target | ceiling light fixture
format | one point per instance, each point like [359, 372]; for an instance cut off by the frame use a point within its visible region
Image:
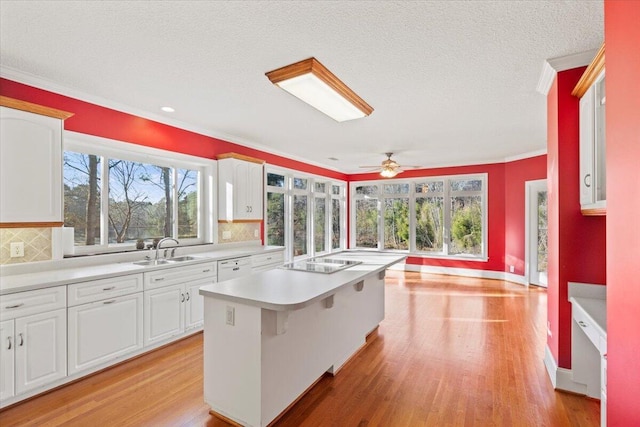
[167, 109]
[313, 83]
[389, 172]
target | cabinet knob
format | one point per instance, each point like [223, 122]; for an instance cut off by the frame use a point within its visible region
[187, 296]
[587, 180]
[182, 298]
[9, 339]
[21, 340]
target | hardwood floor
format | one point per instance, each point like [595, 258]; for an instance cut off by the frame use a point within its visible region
[451, 352]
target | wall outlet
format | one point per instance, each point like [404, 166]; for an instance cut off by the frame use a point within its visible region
[17, 249]
[226, 235]
[256, 233]
[230, 316]
[512, 268]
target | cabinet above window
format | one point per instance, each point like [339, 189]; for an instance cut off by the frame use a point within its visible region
[240, 188]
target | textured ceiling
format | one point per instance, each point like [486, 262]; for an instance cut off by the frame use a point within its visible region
[451, 82]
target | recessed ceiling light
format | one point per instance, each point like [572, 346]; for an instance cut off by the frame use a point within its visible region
[313, 83]
[167, 109]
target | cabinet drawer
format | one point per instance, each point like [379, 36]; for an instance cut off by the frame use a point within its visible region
[584, 322]
[178, 275]
[32, 302]
[96, 290]
[271, 258]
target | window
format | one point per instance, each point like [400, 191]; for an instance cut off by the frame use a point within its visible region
[112, 198]
[305, 213]
[439, 216]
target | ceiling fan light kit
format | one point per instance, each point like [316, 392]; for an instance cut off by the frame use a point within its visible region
[389, 172]
[313, 83]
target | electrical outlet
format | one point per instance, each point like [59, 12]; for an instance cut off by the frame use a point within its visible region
[231, 316]
[256, 233]
[226, 235]
[17, 249]
[512, 269]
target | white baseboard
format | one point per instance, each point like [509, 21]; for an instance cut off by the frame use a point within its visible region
[561, 378]
[465, 272]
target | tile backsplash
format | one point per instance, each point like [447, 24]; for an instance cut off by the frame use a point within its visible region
[37, 244]
[229, 232]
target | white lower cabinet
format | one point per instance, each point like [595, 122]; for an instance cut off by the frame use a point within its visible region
[40, 349]
[194, 304]
[7, 360]
[104, 330]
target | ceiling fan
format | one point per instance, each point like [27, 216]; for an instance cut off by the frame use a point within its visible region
[389, 167]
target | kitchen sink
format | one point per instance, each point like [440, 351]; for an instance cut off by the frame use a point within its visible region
[152, 262]
[182, 258]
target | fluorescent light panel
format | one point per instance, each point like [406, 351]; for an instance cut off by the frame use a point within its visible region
[314, 84]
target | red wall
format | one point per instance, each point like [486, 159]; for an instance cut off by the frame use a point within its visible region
[576, 242]
[496, 213]
[516, 174]
[96, 120]
[622, 38]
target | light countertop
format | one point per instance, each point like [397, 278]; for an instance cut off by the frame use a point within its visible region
[596, 309]
[280, 289]
[69, 273]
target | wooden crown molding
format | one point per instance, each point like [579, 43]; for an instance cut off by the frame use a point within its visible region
[313, 66]
[239, 157]
[16, 104]
[590, 74]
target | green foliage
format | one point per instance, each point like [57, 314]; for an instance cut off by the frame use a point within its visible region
[466, 227]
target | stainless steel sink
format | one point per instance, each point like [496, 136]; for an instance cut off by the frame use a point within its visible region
[182, 258]
[152, 262]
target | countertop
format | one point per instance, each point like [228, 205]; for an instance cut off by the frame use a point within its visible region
[50, 277]
[596, 309]
[280, 289]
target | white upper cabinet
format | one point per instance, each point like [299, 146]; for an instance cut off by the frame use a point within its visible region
[30, 163]
[593, 177]
[240, 188]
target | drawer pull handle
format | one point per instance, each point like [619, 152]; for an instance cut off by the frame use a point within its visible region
[21, 340]
[109, 302]
[15, 306]
[269, 259]
[236, 268]
[187, 296]
[581, 323]
[9, 339]
[206, 271]
[182, 299]
[110, 288]
[587, 177]
[158, 279]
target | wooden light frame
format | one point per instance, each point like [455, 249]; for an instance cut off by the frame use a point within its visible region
[313, 66]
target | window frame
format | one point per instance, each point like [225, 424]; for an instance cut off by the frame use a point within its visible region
[107, 149]
[412, 195]
[289, 192]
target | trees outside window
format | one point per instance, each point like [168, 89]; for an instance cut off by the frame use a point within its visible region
[143, 201]
[443, 216]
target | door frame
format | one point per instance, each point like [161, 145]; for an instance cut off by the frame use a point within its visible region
[529, 187]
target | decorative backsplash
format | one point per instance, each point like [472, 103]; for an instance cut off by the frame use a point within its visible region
[37, 244]
[229, 232]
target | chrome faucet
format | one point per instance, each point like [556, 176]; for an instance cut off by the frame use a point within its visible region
[162, 241]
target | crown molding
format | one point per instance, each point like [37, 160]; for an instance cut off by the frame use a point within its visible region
[523, 156]
[552, 66]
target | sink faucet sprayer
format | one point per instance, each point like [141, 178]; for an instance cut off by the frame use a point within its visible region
[160, 243]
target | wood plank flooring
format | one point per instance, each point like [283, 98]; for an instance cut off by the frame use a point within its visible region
[451, 352]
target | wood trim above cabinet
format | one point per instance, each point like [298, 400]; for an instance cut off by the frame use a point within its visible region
[30, 224]
[34, 108]
[590, 74]
[239, 157]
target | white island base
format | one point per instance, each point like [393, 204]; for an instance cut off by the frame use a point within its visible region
[257, 367]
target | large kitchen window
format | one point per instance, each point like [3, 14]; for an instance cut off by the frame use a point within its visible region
[435, 216]
[117, 199]
[304, 213]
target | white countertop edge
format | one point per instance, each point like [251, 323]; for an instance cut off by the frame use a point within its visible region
[12, 283]
[211, 291]
[596, 311]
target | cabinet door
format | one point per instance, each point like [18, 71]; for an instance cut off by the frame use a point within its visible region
[31, 155]
[7, 362]
[104, 330]
[587, 179]
[255, 193]
[194, 314]
[41, 349]
[163, 313]
[241, 191]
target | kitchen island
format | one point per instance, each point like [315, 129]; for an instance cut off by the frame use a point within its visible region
[269, 337]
